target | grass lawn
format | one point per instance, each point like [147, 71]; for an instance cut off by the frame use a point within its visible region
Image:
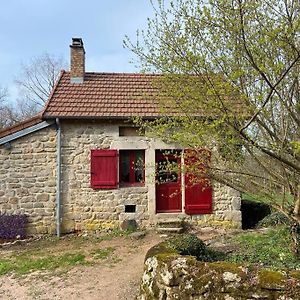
[272, 249]
[51, 253]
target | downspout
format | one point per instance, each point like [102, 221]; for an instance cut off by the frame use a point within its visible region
[58, 179]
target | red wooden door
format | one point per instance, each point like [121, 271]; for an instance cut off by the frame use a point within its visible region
[198, 190]
[168, 182]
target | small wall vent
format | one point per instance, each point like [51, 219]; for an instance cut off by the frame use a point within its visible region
[130, 208]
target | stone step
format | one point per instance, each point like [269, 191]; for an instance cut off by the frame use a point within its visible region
[170, 224]
[169, 230]
[168, 220]
[163, 216]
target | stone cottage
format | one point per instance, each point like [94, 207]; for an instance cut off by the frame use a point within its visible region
[81, 165]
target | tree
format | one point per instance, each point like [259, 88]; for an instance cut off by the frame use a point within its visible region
[3, 95]
[36, 81]
[232, 74]
[7, 117]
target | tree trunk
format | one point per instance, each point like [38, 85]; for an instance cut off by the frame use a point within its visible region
[295, 233]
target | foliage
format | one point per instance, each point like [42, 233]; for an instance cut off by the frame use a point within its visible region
[189, 244]
[274, 219]
[12, 226]
[230, 82]
[272, 249]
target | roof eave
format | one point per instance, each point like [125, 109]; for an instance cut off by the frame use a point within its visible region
[25, 131]
[53, 117]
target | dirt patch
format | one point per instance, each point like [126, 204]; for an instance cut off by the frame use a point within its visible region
[116, 277]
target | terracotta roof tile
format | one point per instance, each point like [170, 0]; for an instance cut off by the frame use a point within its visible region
[107, 95]
[103, 95]
[21, 125]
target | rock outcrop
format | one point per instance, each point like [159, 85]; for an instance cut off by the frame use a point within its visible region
[169, 276]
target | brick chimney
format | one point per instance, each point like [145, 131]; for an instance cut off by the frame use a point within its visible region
[77, 61]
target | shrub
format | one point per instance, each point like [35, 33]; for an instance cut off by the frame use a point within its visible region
[189, 244]
[12, 226]
[274, 219]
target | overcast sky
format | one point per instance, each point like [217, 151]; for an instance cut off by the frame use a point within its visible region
[29, 28]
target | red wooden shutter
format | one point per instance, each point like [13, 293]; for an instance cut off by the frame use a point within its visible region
[104, 169]
[198, 190]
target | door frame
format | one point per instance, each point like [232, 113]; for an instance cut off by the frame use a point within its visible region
[180, 178]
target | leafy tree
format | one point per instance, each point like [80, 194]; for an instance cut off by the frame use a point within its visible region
[231, 81]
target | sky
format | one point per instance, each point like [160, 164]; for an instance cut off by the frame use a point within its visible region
[30, 28]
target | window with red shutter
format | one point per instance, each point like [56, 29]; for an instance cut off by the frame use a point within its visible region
[131, 167]
[198, 190]
[104, 169]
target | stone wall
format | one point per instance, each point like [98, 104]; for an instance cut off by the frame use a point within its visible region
[85, 208]
[27, 179]
[171, 276]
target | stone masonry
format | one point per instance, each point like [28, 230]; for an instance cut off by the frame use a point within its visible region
[85, 208]
[28, 181]
[172, 276]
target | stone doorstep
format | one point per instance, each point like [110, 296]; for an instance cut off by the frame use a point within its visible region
[169, 219]
[169, 230]
[169, 224]
[169, 216]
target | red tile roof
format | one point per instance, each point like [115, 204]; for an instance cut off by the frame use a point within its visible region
[103, 95]
[21, 125]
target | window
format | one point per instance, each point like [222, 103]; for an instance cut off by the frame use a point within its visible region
[104, 168]
[168, 166]
[167, 170]
[131, 170]
[130, 131]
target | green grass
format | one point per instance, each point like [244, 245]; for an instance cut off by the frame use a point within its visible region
[102, 253]
[23, 264]
[51, 253]
[271, 249]
[269, 199]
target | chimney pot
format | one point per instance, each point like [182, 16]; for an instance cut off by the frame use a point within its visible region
[77, 61]
[77, 42]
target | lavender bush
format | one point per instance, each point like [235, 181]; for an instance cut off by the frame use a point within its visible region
[12, 226]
